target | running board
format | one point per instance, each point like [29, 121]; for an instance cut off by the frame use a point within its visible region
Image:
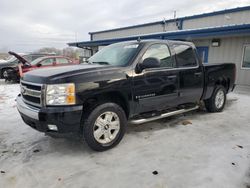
[140, 121]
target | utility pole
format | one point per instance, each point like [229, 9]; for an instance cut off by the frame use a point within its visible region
[175, 14]
[164, 24]
[75, 36]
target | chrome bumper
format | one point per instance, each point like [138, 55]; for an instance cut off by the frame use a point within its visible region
[26, 109]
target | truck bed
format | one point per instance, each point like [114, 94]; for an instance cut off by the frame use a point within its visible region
[218, 72]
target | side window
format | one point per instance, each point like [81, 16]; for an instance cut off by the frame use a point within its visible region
[246, 57]
[47, 62]
[62, 61]
[33, 57]
[185, 56]
[161, 52]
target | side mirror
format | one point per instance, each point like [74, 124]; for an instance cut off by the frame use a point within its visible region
[39, 65]
[150, 62]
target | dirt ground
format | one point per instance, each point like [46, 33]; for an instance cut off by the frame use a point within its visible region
[195, 150]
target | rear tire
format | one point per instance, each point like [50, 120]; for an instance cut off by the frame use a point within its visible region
[217, 101]
[104, 127]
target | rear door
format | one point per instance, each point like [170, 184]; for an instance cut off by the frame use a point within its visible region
[190, 74]
[156, 88]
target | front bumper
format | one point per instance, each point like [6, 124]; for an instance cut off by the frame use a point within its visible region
[67, 119]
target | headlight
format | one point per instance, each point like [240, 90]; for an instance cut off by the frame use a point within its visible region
[60, 94]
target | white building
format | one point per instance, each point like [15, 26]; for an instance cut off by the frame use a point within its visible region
[222, 36]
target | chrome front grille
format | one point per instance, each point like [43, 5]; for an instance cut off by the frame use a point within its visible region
[32, 93]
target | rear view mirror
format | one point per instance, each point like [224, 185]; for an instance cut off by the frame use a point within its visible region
[150, 62]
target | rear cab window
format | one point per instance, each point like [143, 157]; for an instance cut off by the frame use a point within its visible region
[185, 56]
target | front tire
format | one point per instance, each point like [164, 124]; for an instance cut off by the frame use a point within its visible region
[217, 101]
[5, 72]
[104, 127]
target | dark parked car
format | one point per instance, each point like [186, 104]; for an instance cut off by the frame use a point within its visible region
[132, 81]
[12, 62]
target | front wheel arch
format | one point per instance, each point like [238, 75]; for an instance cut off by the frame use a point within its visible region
[4, 69]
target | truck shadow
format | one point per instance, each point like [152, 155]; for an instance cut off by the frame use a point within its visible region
[230, 102]
[173, 121]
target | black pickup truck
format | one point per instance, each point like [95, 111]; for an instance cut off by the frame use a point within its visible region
[133, 82]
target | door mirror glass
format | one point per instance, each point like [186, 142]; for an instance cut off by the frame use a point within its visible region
[150, 62]
[39, 65]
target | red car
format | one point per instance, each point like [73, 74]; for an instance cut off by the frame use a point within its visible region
[42, 62]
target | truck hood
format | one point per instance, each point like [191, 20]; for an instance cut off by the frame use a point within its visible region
[20, 58]
[73, 73]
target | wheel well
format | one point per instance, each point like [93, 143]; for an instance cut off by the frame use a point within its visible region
[225, 82]
[2, 70]
[113, 96]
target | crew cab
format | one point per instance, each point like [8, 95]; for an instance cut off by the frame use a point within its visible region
[129, 82]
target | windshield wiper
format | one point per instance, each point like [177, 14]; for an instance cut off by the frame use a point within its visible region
[100, 62]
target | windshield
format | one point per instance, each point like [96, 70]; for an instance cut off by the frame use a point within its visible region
[115, 54]
[36, 61]
[13, 59]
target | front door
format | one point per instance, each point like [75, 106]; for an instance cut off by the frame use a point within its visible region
[156, 88]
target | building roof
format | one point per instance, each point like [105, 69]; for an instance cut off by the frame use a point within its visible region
[230, 30]
[226, 11]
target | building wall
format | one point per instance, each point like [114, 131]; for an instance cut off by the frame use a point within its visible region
[241, 17]
[230, 50]
[135, 31]
[218, 20]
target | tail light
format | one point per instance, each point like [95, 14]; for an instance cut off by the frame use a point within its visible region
[20, 70]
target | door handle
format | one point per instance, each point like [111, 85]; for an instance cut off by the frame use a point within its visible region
[172, 77]
[197, 74]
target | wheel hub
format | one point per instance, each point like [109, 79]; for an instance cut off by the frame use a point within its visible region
[5, 74]
[219, 99]
[106, 127]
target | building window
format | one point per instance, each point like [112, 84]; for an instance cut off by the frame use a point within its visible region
[246, 57]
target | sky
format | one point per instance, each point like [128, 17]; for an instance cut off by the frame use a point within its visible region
[28, 25]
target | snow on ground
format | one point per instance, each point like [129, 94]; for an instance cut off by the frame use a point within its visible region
[213, 151]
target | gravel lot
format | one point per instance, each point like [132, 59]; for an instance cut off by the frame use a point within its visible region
[197, 149]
